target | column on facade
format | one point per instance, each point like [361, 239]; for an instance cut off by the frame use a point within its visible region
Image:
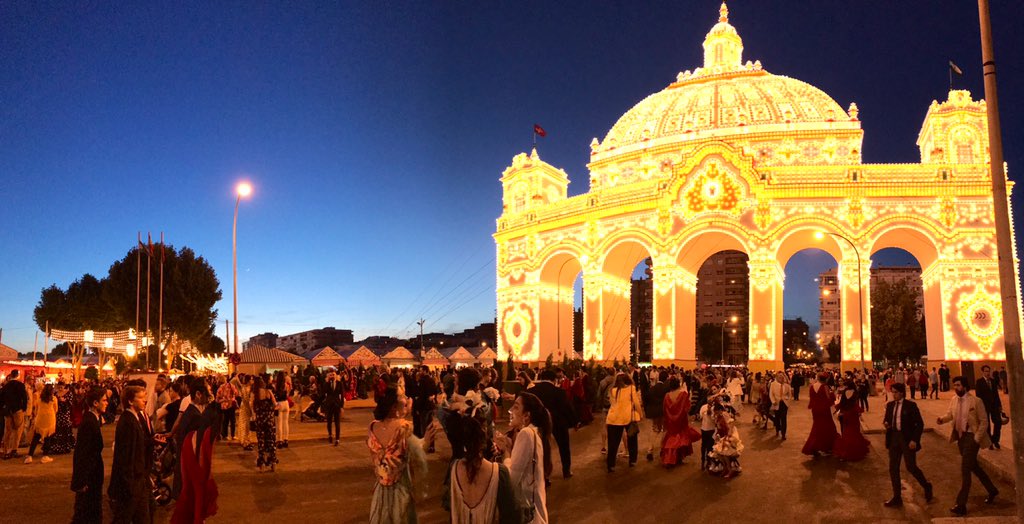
[854, 291]
[765, 323]
[555, 319]
[675, 302]
[606, 316]
[934, 313]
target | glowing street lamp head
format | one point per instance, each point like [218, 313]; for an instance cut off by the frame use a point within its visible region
[734, 319]
[826, 292]
[244, 189]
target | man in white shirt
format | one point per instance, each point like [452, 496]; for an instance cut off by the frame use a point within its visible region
[970, 432]
[707, 427]
[778, 392]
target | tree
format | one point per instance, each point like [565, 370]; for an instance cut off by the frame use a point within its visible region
[191, 289]
[897, 330]
[79, 308]
[709, 342]
[834, 351]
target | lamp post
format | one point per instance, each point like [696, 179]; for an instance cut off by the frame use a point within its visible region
[244, 189]
[860, 290]
[732, 319]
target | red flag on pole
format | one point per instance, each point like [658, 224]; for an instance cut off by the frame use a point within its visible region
[539, 131]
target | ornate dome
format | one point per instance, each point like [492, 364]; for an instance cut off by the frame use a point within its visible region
[724, 98]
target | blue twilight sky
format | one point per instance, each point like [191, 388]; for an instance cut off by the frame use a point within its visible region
[375, 132]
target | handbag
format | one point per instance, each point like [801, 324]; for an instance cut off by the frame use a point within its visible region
[1004, 418]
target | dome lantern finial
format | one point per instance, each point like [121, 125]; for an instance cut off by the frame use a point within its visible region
[723, 13]
[723, 47]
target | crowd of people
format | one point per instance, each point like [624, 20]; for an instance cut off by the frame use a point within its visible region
[166, 430]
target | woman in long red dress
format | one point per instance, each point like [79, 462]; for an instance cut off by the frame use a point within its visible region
[823, 430]
[677, 443]
[851, 446]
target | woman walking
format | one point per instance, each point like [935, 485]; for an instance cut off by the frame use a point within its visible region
[62, 440]
[398, 460]
[679, 436]
[823, 434]
[527, 457]
[45, 422]
[265, 409]
[245, 413]
[282, 390]
[851, 446]
[623, 417]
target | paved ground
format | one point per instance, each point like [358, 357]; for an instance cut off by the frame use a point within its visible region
[319, 483]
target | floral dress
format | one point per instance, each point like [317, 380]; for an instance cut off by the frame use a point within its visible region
[266, 431]
[393, 498]
[62, 441]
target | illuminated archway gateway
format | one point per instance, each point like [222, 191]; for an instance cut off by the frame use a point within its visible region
[730, 156]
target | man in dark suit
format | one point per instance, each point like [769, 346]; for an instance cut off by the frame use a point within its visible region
[563, 416]
[87, 469]
[987, 389]
[903, 428]
[333, 400]
[796, 383]
[129, 489]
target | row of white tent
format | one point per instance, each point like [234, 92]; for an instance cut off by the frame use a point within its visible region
[256, 359]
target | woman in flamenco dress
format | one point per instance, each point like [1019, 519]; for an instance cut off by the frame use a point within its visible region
[851, 446]
[677, 444]
[823, 435]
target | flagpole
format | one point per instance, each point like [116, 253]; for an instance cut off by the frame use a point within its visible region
[1004, 247]
[160, 315]
[138, 280]
[149, 265]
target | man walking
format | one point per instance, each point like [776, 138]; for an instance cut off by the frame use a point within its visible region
[332, 403]
[987, 390]
[797, 382]
[943, 377]
[563, 416]
[970, 432]
[129, 490]
[903, 428]
[14, 399]
[933, 383]
[87, 471]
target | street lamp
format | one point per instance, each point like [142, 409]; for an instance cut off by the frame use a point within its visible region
[860, 290]
[243, 189]
[732, 319]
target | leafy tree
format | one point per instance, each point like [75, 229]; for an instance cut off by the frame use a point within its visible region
[79, 308]
[191, 289]
[550, 361]
[91, 373]
[709, 342]
[834, 351]
[896, 331]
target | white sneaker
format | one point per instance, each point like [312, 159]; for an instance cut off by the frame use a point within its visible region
[28, 460]
[46, 460]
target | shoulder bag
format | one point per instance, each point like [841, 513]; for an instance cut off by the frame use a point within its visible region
[633, 429]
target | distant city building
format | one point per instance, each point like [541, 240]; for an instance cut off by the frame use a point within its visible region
[314, 338]
[641, 315]
[795, 337]
[723, 292]
[267, 340]
[830, 306]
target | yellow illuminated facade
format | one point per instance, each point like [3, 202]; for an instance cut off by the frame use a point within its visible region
[732, 157]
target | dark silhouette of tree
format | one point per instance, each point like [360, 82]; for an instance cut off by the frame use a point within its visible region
[709, 342]
[897, 332]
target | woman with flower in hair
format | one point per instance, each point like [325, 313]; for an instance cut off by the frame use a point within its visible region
[398, 459]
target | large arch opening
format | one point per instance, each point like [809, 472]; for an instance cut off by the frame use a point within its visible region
[811, 320]
[898, 322]
[558, 278]
[626, 296]
[723, 312]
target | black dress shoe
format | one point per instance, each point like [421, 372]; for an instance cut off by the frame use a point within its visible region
[928, 492]
[991, 498]
[958, 510]
[894, 502]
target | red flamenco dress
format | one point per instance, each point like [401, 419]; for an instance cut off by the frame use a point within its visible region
[823, 430]
[677, 443]
[198, 499]
[851, 446]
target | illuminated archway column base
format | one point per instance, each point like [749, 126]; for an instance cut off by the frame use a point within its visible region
[850, 318]
[766, 282]
[675, 305]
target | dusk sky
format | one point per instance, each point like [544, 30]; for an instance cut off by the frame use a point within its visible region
[375, 133]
